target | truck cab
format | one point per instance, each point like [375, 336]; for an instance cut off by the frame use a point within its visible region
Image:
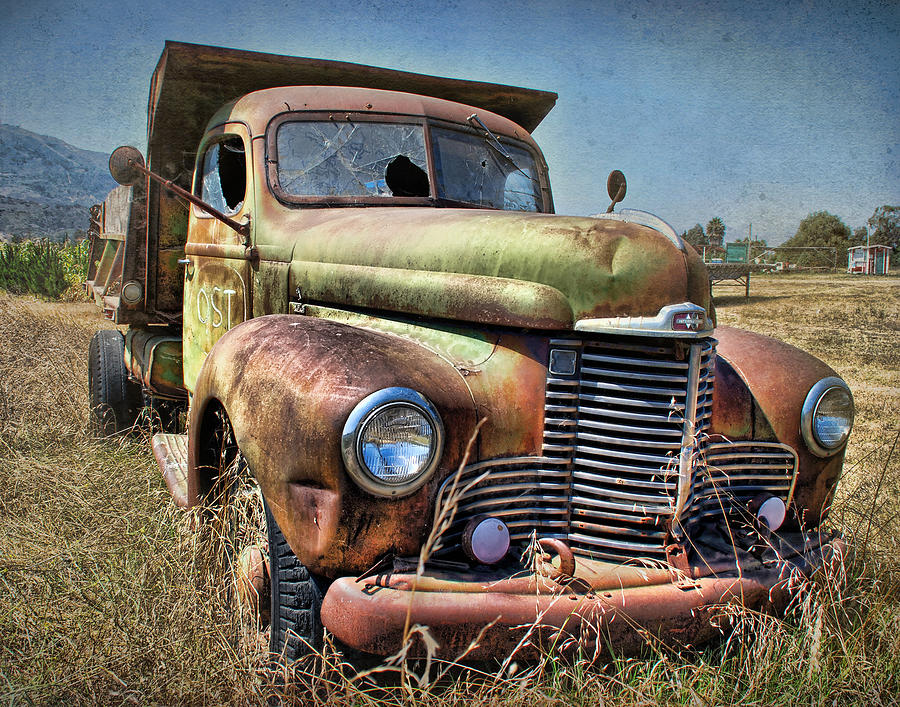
[442, 403]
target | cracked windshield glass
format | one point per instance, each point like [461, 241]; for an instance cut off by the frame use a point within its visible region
[469, 168]
[326, 158]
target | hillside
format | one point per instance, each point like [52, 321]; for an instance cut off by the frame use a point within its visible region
[47, 185]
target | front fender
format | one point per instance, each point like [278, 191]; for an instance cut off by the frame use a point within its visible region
[288, 384]
[761, 384]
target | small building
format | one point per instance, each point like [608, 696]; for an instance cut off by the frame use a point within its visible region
[869, 260]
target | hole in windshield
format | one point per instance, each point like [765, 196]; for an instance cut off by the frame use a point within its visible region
[404, 178]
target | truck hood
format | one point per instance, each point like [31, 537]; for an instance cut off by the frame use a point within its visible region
[540, 271]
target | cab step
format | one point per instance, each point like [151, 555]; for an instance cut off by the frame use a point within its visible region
[170, 451]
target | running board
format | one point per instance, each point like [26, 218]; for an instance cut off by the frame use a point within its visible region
[170, 451]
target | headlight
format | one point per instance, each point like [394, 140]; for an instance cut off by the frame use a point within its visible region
[827, 416]
[392, 441]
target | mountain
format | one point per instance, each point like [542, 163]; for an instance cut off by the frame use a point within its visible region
[47, 185]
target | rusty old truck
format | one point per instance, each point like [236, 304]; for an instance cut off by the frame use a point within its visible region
[346, 293]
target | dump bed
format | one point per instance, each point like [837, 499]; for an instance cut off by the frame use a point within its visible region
[190, 83]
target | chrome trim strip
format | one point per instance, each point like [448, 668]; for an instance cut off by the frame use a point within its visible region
[617, 544]
[659, 325]
[686, 460]
[644, 218]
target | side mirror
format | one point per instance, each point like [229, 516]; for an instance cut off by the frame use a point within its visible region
[615, 187]
[125, 165]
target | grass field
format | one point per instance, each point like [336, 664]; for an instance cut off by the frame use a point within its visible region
[99, 603]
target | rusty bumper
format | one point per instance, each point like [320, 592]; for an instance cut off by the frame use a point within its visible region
[532, 616]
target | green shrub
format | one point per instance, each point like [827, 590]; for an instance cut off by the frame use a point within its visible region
[43, 268]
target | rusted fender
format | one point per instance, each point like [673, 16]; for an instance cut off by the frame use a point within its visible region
[761, 389]
[288, 384]
[505, 371]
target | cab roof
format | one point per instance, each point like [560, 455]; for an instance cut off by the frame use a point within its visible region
[192, 81]
[258, 108]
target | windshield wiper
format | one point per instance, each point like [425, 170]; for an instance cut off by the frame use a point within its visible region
[492, 140]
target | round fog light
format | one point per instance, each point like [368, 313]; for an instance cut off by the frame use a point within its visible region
[771, 513]
[486, 540]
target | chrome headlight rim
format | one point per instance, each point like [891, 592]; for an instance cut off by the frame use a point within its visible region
[807, 416]
[364, 411]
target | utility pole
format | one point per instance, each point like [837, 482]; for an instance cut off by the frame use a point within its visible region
[867, 251]
[749, 241]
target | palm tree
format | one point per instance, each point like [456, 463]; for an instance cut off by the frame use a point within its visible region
[715, 231]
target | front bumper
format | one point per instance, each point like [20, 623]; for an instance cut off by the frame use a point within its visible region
[604, 609]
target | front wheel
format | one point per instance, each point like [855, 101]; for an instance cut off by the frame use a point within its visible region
[271, 596]
[296, 600]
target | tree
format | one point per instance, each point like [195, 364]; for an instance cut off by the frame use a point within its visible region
[819, 230]
[695, 235]
[715, 231]
[885, 225]
[755, 242]
[859, 235]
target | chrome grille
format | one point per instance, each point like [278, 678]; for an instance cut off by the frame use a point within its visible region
[639, 405]
[625, 452]
[529, 493]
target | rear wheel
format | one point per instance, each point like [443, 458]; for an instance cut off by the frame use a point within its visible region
[115, 401]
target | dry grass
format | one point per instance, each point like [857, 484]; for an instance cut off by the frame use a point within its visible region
[103, 601]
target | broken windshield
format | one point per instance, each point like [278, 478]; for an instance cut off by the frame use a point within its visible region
[468, 168]
[327, 158]
[344, 159]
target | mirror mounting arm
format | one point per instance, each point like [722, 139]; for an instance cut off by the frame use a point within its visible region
[241, 228]
[615, 187]
[126, 163]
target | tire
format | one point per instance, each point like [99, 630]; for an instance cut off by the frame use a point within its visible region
[115, 401]
[296, 601]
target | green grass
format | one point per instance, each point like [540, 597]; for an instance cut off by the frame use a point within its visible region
[103, 601]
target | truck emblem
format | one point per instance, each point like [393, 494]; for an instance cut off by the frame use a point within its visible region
[688, 321]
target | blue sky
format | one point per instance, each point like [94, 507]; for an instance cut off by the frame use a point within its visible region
[754, 112]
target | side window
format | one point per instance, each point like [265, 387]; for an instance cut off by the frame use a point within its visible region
[224, 181]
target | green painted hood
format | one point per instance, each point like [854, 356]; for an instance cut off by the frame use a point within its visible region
[539, 271]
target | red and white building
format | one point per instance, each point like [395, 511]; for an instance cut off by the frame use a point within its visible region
[869, 260]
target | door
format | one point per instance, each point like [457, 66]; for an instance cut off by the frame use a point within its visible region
[217, 282]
